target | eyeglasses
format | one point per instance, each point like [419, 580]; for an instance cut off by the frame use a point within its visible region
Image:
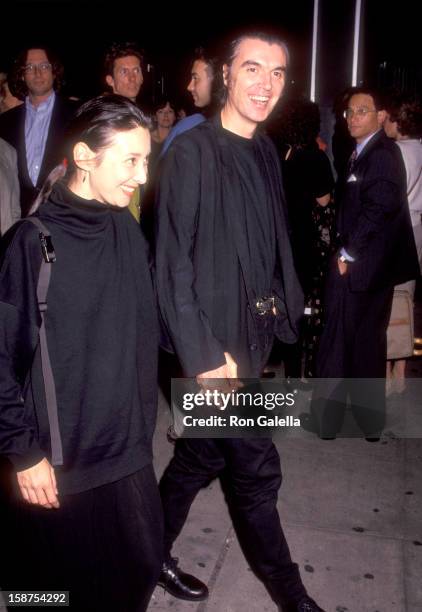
[43, 67]
[359, 112]
[125, 72]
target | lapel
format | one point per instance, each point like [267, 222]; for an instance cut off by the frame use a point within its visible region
[21, 149]
[368, 148]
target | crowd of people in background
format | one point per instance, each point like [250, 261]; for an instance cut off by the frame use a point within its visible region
[253, 236]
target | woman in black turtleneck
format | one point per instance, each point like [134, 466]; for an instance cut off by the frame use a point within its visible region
[91, 523]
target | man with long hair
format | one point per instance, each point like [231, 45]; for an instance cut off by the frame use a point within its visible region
[36, 128]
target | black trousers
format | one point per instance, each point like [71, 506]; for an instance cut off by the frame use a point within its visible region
[251, 470]
[353, 345]
[103, 545]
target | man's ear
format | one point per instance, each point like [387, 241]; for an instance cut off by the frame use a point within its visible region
[110, 81]
[382, 116]
[225, 74]
[83, 156]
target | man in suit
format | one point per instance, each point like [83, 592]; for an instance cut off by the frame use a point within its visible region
[36, 128]
[226, 284]
[376, 252]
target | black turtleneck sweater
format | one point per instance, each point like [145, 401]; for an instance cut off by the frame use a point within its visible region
[102, 339]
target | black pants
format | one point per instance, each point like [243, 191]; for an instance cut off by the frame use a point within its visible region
[251, 468]
[353, 346]
[103, 545]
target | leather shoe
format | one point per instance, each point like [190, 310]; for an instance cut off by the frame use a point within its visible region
[305, 605]
[181, 585]
[308, 605]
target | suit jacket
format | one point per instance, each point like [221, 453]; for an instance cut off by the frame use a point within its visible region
[198, 242]
[12, 129]
[374, 221]
[9, 187]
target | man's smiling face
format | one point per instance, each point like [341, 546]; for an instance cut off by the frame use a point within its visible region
[255, 82]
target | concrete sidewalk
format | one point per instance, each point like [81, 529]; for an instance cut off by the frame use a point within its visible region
[352, 515]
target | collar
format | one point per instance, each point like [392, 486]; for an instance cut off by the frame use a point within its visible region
[362, 145]
[47, 105]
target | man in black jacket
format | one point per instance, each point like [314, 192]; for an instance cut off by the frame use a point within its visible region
[377, 251]
[36, 128]
[226, 285]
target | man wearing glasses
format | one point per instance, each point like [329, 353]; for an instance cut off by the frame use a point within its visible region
[35, 129]
[376, 251]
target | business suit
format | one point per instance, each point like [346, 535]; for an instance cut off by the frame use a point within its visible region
[9, 187]
[374, 229]
[12, 129]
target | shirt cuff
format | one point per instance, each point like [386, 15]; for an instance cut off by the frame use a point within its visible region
[346, 255]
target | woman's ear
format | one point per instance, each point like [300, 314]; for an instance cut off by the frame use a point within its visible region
[83, 156]
[225, 74]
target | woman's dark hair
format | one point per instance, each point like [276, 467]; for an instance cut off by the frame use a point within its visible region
[162, 103]
[95, 123]
[17, 84]
[407, 111]
[297, 124]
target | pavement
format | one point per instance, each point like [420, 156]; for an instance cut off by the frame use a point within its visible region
[351, 511]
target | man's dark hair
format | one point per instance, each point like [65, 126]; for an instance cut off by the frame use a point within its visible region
[118, 50]
[204, 55]
[269, 37]
[18, 86]
[212, 60]
[376, 94]
[406, 110]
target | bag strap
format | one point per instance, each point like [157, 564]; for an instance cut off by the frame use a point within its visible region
[49, 257]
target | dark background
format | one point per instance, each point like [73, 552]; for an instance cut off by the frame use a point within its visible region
[80, 31]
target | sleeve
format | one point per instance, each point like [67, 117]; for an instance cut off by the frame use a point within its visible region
[178, 209]
[19, 324]
[380, 199]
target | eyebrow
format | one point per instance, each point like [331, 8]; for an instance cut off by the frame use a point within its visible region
[254, 63]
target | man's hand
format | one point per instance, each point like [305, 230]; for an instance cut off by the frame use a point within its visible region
[225, 372]
[342, 267]
[38, 485]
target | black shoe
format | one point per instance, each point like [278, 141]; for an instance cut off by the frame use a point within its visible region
[308, 605]
[181, 585]
[372, 439]
[305, 605]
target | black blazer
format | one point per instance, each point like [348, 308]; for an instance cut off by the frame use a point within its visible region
[198, 241]
[12, 129]
[374, 221]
